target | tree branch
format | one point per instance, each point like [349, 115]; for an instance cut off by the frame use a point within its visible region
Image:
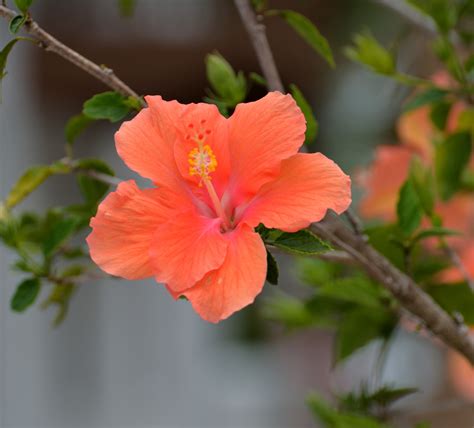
[51, 44]
[401, 286]
[332, 229]
[258, 36]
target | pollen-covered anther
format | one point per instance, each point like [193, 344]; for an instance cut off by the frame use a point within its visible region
[202, 161]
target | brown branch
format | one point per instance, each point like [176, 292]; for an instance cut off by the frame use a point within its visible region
[332, 229]
[258, 36]
[456, 260]
[51, 44]
[401, 286]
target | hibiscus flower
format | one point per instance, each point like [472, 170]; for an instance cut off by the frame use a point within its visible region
[216, 180]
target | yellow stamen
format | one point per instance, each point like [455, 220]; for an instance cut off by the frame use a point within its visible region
[203, 162]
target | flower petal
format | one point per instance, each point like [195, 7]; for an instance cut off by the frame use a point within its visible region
[205, 121]
[307, 186]
[186, 248]
[123, 228]
[416, 131]
[237, 282]
[383, 180]
[261, 135]
[146, 142]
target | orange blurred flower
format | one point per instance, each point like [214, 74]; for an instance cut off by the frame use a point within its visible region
[217, 179]
[389, 170]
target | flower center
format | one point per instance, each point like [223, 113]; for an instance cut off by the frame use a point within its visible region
[202, 162]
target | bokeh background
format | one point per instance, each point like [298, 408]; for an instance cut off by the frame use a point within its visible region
[129, 356]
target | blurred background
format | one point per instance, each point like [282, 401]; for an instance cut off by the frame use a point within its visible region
[128, 355]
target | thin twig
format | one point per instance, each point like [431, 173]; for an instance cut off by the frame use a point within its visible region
[355, 223]
[51, 44]
[258, 36]
[456, 260]
[105, 178]
[412, 15]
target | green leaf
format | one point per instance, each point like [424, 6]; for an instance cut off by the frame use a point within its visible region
[127, 7]
[308, 31]
[434, 232]
[107, 105]
[73, 271]
[446, 52]
[272, 269]
[4, 56]
[439, 114]
[361, 326]
[315, 272]
[365, 402]
[259, 5]
[303, 242]
[31, 179]
[60, 296]
[229, 86]
[311, 123]
[92, 189]
[430, 96]
[25, 294]
[369, 52]
[58, 234]
[387, 395]
[75, 125]
[466, 120]
[332, 418]
[289, 311]
[258, 79]
[455, 298]
[23, 5]
[451, 158]
[382, 239]
[423, 182]
[356, 290]
[16, 23]
[409, 208]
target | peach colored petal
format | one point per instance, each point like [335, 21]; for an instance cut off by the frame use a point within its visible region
[383, 180]
[307, 186]
[261, 135]
[443, 79]
[146, 142]
[203, 120]
[237, 282]
[458, 214]
[186, 248]
[416, 131]
[123, 228]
